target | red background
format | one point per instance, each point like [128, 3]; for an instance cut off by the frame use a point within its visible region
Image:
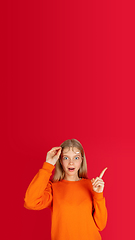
[67, 72]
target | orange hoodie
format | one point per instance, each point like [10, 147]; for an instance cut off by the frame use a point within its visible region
[77, 212]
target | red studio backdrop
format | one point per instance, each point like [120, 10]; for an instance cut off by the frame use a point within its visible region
[67, 71]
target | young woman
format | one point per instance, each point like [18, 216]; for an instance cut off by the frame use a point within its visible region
[77, 204]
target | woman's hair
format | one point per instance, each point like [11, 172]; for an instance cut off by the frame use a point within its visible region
[59, 172]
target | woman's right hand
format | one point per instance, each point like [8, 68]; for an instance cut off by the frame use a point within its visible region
[53, 155]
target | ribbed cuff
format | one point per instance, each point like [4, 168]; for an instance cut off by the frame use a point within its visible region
[48, 166]
[97, 195]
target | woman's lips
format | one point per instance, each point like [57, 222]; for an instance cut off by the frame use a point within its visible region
[71, 169]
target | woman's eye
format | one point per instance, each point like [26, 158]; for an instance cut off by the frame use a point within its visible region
[65, 158]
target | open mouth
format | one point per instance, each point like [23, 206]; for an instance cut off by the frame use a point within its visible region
[71, 169]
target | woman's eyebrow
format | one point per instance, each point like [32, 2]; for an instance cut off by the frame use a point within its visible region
[68, 156]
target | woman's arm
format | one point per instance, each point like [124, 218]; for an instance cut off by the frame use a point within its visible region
[99, 210]
[39, 192]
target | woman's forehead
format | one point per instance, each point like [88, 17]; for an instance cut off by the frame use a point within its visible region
[74, 149]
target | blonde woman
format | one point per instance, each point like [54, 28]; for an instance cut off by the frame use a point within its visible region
[77, 204]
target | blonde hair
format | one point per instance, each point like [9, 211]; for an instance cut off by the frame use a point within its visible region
[59, 172]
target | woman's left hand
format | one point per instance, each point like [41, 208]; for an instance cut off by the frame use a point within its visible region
[98, 183]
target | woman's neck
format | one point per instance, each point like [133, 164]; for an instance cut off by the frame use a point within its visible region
[71, 178]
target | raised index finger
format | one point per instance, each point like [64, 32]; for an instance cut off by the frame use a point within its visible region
[102, 173]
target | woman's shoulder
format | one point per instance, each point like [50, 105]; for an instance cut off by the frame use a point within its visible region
[88, 180]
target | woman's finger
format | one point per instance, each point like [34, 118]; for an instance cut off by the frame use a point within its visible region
[59, 152]
[99, 184]
[97, 179]
[54, 149]
[102, 173]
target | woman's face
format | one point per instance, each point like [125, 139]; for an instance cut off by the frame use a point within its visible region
[71, 159]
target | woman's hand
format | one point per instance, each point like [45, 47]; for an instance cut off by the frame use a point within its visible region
[98, 183]
[53, 155]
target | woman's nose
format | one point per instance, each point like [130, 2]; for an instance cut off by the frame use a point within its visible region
[71, 160]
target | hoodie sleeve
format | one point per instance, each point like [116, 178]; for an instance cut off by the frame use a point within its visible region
[99, 210]
[39, 192]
